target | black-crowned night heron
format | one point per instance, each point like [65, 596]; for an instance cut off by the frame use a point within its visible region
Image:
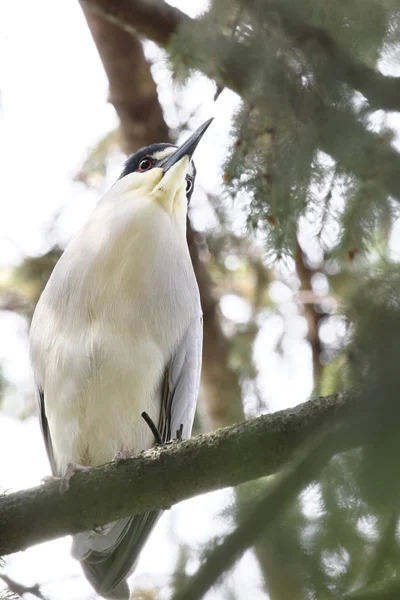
[117, 332]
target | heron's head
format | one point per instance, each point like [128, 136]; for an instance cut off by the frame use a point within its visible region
[165, 173]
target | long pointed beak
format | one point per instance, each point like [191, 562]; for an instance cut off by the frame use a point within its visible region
[186, 149]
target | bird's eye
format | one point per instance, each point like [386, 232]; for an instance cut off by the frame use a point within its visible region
[145, 164]
[189, 184]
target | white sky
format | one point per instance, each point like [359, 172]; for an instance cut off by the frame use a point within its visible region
[53, 109]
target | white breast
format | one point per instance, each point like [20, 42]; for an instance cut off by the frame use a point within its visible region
[114, 309]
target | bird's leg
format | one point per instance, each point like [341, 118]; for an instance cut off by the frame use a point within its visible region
[122, 455]
[72, 468]
[153, 427]
[64, 481]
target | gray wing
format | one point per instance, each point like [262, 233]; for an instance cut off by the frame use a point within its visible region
[181, 384]
[108, 558]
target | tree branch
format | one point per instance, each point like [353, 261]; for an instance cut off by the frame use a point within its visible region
[159, 478]
[158, 21]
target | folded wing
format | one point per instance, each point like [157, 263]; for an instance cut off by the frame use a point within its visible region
[109, 556]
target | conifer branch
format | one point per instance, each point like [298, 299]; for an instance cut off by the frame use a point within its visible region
[158, 21]
[381, 91]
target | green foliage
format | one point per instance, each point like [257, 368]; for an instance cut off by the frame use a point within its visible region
[293, 64]
[374, 311]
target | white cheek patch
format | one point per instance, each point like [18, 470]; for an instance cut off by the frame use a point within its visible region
[190, 170]
[167, 152]
[164, 153]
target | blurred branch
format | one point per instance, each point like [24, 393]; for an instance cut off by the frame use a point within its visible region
[20, 590]
[382, 550]
[389, 590]
[132, 90]
[134, 96]
[312, 316]
[163, 476]
[158, 21]
[264, 514]
[14, 302]
[153, 19]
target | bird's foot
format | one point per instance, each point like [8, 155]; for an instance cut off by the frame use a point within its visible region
[179, 434]
[71, 469]
[123, 455]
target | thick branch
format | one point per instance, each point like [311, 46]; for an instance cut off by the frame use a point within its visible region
[153, 19]
[147, 18]
[133, 94]
[159, 478]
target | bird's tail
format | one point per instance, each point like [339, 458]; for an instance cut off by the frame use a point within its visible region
[109, 556]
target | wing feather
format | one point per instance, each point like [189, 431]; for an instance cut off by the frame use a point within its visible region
[44, 426]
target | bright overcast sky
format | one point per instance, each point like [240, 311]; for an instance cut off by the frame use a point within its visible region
[53, 109]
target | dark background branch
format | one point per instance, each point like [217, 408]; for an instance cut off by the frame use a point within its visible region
[133, 94]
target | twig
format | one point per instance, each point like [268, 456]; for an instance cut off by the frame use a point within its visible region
[20, 590]
[327, 203]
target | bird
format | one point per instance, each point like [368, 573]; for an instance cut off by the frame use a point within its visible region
[117, 332]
